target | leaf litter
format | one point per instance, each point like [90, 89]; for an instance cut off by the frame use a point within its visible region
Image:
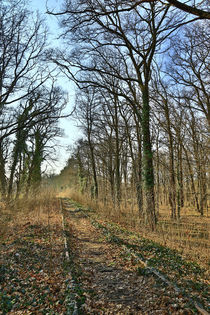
[36, 279]
[112, 282]
[32, 277]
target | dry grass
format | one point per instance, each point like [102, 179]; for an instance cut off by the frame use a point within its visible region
[35, 275]
[189, 235]
[38, 209]
[5, 217]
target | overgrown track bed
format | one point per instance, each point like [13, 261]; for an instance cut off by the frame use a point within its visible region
[34, 274]
[189, 234]
[173, 286]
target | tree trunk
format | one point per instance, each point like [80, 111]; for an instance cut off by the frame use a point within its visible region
[12, 173]
[111, 173]
[3, 182]
[181, 178]
[203, 189]
[172, 186]
[138, 166]
[157, 174]
[136, 161]
[148, 172]
[117, 155]
[93, 165]
[37, 161]
[178, 181]
[192, 179]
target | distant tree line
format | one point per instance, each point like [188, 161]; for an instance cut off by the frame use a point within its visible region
[30, 100]
[143, 100]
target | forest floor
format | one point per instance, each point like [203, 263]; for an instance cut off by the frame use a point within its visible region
[101, 274]
[32, 276]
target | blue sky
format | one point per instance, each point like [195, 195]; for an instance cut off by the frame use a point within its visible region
[72, 133]
[41, 6]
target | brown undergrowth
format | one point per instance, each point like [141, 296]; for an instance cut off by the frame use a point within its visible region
[189, 235]
[32, 273]
[111, 281]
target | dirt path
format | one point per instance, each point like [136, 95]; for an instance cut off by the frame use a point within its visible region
[110, 279]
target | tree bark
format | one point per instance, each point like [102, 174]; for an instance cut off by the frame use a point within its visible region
[93, 165]
[172, 187]
[189, 9]
[192, 180]
[117, 153]
[3, 182]
[148, 172]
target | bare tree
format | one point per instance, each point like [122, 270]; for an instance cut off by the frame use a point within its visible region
[125, 45]
[119, 41]
[86, 113]
[36, 127]
[23, 39]
[189, 67]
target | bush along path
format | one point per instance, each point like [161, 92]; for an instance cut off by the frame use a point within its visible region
[120, 273]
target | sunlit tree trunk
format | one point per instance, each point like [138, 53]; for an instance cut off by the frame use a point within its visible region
[191, 173]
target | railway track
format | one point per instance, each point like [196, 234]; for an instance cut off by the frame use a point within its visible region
[66, 207]
[71, 301]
